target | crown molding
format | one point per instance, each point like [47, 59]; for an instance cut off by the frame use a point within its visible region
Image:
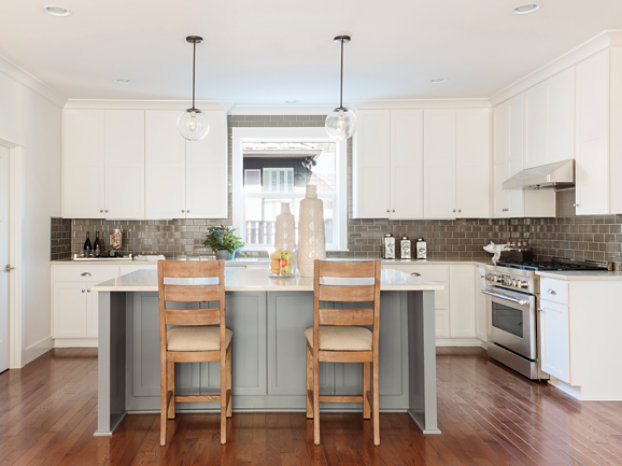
[29, 80]
[601, 41]
[397, 104]
[135, 104]
[291, 109]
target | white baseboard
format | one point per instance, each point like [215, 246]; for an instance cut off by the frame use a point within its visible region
[571, 390]
[32, 352]
[458, 342]
[75, 343]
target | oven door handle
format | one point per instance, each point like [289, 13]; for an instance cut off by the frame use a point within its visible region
[522, 302]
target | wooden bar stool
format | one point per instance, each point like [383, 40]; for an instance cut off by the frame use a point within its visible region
[338, 335]
[185, 289]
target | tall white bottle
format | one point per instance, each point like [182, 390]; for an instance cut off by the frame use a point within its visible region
[311, 239]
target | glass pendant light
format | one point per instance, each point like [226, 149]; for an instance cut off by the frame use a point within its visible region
[341, 122]
[192, 123]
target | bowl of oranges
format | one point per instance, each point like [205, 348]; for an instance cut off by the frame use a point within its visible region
[282, 263]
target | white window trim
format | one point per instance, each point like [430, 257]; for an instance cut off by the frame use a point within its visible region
[286, 134]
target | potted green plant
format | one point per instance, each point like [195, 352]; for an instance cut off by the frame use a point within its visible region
[223, 241]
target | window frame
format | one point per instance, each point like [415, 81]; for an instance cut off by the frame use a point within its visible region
[240, 135]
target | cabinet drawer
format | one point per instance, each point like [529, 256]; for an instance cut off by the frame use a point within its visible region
[554, 290]
[91, 273]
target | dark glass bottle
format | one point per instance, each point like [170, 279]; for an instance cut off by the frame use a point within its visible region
[97, 246]
[88, 250]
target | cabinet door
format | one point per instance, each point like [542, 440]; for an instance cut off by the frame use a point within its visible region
[592, 163]
[206, 171]
[125, 164]
[554, 340]
[439, 157]
[370, 165]
[536, 125]
[92, 304]
[501, 145]
[561, 116]
[69, 310]
[165, 166]
[473, 163]
[83, 163]
[516, 130]
[462, 301]
[406, 164]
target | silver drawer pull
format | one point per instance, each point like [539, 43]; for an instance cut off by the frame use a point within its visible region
[86, 274]
[415, 274]
[551, 291]
[88, 291]
[521, 302]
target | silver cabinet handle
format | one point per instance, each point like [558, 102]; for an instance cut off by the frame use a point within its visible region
[88, 291]
[388, 210]
[393, 210]
[187, 211]
[83, 291]
[8, 268]
[182, 211]
[576, 204]
[505, 210]
[460, 210]
[415, 274]
[551, 291]
[101, 211]
[106, 211]
[454, 211]
[85, 274]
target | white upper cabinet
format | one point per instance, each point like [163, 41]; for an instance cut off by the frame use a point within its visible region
[185, 179]
[439, 164]
[592, 162]
[103, 164]
[165, 166]
[387, 164]
[473, 163]
[206, 171]
[456, 154]
[83, 164]
[550, 120]
[124, 164]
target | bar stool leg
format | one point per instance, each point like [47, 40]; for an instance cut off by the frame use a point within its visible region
[316, 400]
[309, 390]
[366, 388]
[163, 400]
[223, 397]
[171, 388]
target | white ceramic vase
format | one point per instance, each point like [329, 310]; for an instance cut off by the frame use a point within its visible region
[285, 229]
[311, 240]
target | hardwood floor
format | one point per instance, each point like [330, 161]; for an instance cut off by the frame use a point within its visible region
[488, 416]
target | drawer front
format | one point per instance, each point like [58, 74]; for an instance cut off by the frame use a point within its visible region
[554, 290]
[90, 273]
[432, 273]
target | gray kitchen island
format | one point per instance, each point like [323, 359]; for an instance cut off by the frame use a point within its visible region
[268, 317]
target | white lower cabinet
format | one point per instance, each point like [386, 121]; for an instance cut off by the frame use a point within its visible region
[554, 339]
[74, 305]
[455, 305]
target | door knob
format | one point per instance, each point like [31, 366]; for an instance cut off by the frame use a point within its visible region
[8, 268]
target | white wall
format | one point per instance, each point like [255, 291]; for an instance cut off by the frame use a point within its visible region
[32, 120]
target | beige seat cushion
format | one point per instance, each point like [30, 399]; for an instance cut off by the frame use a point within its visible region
[200, 338]
[341, 338]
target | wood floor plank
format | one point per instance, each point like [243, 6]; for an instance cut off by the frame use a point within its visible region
[488, 414]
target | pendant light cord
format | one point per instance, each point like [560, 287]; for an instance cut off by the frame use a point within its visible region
[194, 61]
[341, 79]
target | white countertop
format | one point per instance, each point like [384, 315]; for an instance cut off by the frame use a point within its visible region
[582, 276]
[240, 279]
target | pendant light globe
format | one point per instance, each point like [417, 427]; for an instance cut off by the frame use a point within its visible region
[341, 122]
[192, 123]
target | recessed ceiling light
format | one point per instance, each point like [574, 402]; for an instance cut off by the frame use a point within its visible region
[438, 81]
[122, 81]
[525, 8]
[56, 10]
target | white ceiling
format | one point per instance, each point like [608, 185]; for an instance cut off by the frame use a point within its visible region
[271, 51]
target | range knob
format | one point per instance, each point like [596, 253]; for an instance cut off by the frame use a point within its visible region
[524, 284]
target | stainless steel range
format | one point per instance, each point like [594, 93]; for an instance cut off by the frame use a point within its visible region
[513, 291]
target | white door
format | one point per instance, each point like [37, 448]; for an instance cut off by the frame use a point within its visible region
[4, 258]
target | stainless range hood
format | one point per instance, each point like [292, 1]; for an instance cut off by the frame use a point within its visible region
[552, 175]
